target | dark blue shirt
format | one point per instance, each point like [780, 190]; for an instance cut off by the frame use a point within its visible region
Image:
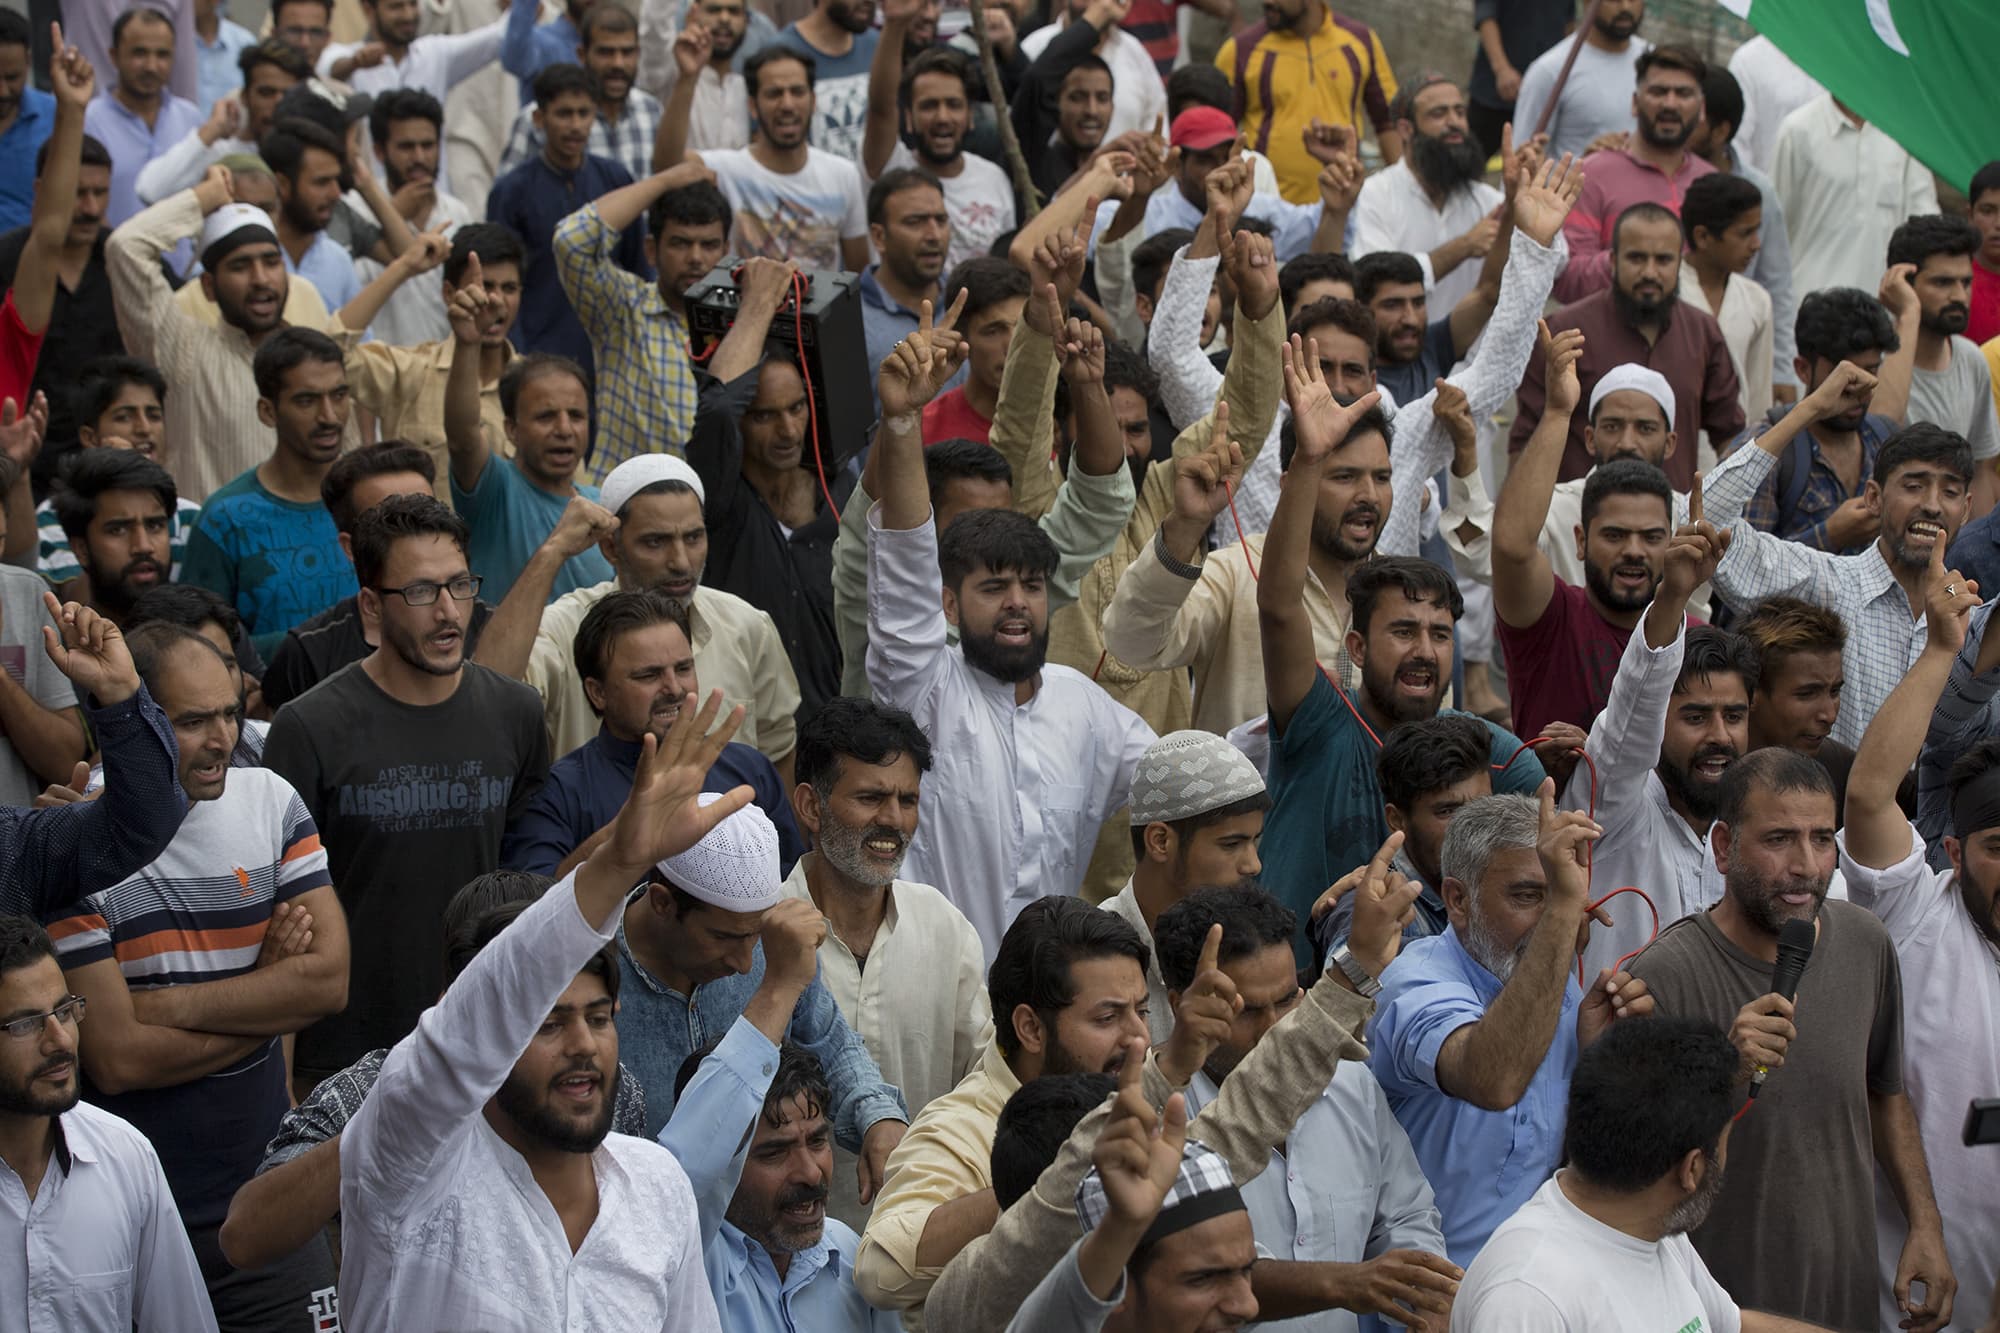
[18, 146]
[1975, 552]
[1411, 380]
[587, 787]
[532, 199]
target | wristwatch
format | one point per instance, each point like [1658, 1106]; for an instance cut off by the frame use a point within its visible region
[1364, 981]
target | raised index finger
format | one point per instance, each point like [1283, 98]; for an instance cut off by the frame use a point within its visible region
[1132, 1073]
[1211, 950]
[1694, 500]
[1378, 864]
[950, 321]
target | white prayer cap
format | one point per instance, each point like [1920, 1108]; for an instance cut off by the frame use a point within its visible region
[1189, 773]
[1632, 375]
[735, 867]
[636, 474]
[233, 225]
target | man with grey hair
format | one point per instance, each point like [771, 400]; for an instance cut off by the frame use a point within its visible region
[1198, 807]
[1477, 1030]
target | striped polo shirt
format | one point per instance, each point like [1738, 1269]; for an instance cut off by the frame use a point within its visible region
[1285, 81]
[198, 914]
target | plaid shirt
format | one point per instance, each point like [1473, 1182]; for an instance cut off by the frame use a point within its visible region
[645, 386]
[1824, 491]
[1884, 632]
[328, 1107]
[629, 143]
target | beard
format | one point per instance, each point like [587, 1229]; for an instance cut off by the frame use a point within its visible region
[1761, 898]
[1061, 1060]
[118, 594]
[1446, 165]
[1916, 557]
[1692, 1211]
[25, 1098]
[1700, 795]
[1674, 138]
[931, 157]
[1948, 320]
[1620, 26]
[410, 647]
[536, 1114]
[300, 216]
[1380, 687]
[1597, 581]
[1329, 537]
[767, 1223]
[1634, 310]
[840, 843]
[1486, 950]
[237, 313]
[1980, 904]
[1005, 663]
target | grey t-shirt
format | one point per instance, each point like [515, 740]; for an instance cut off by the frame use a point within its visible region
[1793, 1232]
[1959, 397]
[22, 616]
[1596, 100]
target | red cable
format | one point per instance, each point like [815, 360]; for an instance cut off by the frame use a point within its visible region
[805, 377]
[1230, 492]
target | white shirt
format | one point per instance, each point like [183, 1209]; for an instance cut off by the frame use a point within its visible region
[1347, 1188]
[445, 1225]
[801, 215]
[1553, 1268]
[1137, 95]
[182, 166]
[1596, 99]
[100, 1248]
[1395, 213]
[1845, 189]
[1748, 329]
[1012, 809]
[720, 114]
[1773, 87]
[1188, 379]
[916, 998]
[436, 64]
[1293, 226]
[1951, 1054]
[415, 314]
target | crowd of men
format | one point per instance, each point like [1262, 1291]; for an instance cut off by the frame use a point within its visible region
[1375, 713]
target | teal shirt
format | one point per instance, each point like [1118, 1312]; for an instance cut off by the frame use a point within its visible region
[1326, 803]
[510, 517]
[277, 561]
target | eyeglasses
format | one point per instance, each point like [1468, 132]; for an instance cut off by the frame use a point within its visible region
[462, 589]
[69, 1013]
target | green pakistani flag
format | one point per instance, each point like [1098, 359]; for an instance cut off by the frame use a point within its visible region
[1920, 69]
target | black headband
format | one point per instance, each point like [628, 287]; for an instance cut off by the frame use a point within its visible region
[1192, 1211]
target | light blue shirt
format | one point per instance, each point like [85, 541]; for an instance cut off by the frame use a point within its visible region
[510, 517]
[710, 1133]
[1346, 1189]
[885, 321]
[215, 62]
[1168, 209]
[1482, 1165]
[132, 144]
[330, 268]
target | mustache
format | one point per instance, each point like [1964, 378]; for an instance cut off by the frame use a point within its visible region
[795, 1196]
[1708, 752]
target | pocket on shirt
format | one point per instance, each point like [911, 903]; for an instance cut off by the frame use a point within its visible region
[1068, 799]
[99, 1300]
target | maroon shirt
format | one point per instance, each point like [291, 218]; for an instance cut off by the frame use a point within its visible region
[1560, 668]
[1690, 352]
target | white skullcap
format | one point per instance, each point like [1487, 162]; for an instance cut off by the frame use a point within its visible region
[230, 226]
[735, 867]
[1189, 773]
[636, 474]
[1632, 375]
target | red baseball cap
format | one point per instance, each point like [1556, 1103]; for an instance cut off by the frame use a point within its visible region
[1202, 127]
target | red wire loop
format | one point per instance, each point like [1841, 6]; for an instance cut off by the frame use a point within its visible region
[805, 377]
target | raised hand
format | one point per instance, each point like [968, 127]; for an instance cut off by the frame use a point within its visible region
[584, 523]
[1138, 1153]
[1696, 548]
[223, 119]
[1321, 422]
[1203, 481]
[70, 74]
[1897, 292]
[89, 650]
[1452, 408]
[1613, 996]
[1519, 164]
[1848, 389]
[1229, 188]
[1203, 1014]
[1330, 143]
[1564, 846]
[1058, 262]
[792, 932]
[21, 436]
[57, 794]
[1109, 176]
[370, 55]
[1154, 162]
[692, 46]
[1559, 747]
[1949, 600]
[1340, 183]
[471, 307]
[216, 188]
[1253, 269]
[662, 816]
[1384, 902]
[916, 369]
[1541, 205]
[427, 250]
[1082, 353]
[1560, 354]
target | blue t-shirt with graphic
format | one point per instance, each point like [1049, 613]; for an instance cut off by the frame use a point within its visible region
[277, 561]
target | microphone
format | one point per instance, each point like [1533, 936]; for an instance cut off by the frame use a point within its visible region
[1795, 946]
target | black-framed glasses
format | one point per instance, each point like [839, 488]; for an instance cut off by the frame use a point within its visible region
[69, 1013]
[462, 589]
